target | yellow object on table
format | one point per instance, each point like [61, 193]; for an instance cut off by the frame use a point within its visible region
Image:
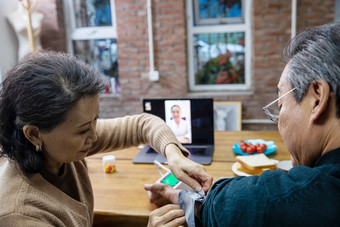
[109, 163]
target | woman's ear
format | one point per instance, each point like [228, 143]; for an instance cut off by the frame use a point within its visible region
[320, 91]
[32, 133]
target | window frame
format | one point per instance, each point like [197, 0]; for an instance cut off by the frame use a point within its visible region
[193, 29]
[208, 21]
[87, 33]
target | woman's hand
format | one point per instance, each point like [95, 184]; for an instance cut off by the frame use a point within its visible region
[169, 215]
[161, 194]
[187, 171]
[182, 139]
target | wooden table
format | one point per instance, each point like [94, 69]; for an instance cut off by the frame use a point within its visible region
[120, 199]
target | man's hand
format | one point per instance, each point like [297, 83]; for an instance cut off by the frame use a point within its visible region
[161, 194]
[169, 215]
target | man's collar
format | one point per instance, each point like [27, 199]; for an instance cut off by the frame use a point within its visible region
[332, 156]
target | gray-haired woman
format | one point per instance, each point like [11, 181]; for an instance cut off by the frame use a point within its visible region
[49, 123]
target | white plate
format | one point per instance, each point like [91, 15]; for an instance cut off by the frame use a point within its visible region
[235, 170]
[285, 165]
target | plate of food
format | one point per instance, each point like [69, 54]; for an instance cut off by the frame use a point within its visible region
[253, 165]
[254, 146]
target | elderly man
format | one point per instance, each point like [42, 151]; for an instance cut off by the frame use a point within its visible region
[308, 116]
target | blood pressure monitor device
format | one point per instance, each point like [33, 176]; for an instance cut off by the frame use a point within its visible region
[169, 179]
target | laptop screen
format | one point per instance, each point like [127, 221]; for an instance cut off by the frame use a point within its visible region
[191, 120]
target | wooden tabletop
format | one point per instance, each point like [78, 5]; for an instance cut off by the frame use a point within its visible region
[120, 199]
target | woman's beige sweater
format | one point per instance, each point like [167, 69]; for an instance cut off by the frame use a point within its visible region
[46, 200]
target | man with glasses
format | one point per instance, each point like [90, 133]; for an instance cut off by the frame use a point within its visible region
[308, 116]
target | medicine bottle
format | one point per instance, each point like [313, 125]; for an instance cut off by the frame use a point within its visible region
[109, 163]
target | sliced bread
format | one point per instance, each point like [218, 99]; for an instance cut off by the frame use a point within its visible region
[256, 163]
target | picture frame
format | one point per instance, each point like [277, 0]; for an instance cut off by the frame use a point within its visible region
[227, 116]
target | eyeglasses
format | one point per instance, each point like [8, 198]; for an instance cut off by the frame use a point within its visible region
[273, 111]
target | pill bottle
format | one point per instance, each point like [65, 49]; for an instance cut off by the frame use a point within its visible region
[109, 163]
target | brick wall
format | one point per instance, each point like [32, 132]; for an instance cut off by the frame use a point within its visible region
[314, 12]
[271, 25]
[270, 31]
[53, 35]
[133, 52]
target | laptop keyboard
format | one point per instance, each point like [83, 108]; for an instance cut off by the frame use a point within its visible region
[151, 150]
[196, 150]
[192, 150]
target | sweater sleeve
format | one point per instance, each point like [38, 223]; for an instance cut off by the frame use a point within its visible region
[129, 131]
[17, 219]
[239, 201]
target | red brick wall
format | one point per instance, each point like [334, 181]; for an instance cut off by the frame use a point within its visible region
[53, 35]
[169, 31]
[270, 31]
[314, 12]
[271, 25]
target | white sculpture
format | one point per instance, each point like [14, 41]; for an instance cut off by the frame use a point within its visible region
[220, 119]
[27, 25]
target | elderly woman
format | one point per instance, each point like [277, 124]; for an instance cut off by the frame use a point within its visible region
[48, 124]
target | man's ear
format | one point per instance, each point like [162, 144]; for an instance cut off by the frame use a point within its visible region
[32, 133]
[320, 92]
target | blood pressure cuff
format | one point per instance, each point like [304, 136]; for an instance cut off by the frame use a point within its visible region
[191, 202]
[188, 200]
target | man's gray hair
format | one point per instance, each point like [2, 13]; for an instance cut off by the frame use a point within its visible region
[315, 55]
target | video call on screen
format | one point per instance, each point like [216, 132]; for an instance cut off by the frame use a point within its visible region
[198, 114]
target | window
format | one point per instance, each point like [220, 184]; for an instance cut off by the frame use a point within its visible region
[219, 44]
[337, 11]
[92, 36]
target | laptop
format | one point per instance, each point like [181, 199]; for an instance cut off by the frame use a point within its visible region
[192, 121]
